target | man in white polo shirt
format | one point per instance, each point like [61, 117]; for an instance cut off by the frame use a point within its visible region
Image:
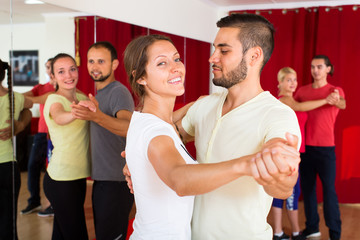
[239, 121]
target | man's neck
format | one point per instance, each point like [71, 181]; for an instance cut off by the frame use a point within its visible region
[319, 83]
[101, 85]
[240, 94]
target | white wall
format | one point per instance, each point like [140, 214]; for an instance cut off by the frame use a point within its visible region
[49, 38]
[187, 18]
[25, 37]
[60, 35]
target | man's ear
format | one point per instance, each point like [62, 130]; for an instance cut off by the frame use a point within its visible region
[328, 69]
[256, 55]
[115, 64]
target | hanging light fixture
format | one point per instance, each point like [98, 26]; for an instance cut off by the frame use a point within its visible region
[33, 2]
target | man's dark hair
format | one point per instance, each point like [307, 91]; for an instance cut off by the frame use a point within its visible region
[327, 62]
[108, 46]
[255, 30]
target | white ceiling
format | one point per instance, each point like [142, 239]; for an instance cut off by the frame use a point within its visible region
[24, 13]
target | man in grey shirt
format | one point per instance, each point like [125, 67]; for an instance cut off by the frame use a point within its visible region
[110, 115]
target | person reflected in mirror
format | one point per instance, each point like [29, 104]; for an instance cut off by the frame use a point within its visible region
[38, 154]
[14, 108]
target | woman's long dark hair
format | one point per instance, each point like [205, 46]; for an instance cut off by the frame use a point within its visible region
[3, 67]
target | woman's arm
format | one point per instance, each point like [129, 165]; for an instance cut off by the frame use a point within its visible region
[302, 106]
[192, 179]
[19, 125]
[24, 120]
[273, 167]
[38, 99]
[181, 112]
[60, 116]
[27, 102]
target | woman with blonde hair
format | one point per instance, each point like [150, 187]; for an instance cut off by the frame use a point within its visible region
[287, 84]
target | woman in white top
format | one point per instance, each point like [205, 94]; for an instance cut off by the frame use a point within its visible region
[164, 176]
[69, 166]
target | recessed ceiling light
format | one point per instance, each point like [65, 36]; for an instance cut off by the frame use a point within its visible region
[33, 2]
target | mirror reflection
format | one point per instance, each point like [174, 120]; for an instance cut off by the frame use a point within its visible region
[25, 78]
[15, 116]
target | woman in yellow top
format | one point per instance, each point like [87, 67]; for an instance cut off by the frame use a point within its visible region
[65, 178]
[12, 110]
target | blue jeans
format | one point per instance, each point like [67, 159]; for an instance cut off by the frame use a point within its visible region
[320, 161]
[36, 162]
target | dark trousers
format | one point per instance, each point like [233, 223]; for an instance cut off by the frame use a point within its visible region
[36, 162]
[112, 203]
[320, 161]
[67, 199]
[9, 193]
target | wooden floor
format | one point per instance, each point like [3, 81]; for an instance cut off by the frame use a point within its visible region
[32, 227]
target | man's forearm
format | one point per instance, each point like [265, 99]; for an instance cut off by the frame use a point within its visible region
[341, 104]
[118, 126]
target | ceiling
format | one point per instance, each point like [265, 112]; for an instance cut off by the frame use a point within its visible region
[24, 13]
[27, 13]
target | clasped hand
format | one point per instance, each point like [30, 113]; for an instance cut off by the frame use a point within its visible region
[85, 109]
[278, 160]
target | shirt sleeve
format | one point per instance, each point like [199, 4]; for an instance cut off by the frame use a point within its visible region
[121, 99]
[341, 92]
[19, 104]
[35, 90]
[155, 130]
[278, 121]
[51, 99]
[188, 121]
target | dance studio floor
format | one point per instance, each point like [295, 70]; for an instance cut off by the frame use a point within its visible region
[32, 227]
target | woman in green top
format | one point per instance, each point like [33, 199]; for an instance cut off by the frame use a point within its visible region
[13, 109]
[69, 166]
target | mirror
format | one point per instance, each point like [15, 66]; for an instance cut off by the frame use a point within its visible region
[9, 177]
[32, 34]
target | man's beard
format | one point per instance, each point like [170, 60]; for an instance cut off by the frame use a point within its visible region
[235, 76]
[101, 79]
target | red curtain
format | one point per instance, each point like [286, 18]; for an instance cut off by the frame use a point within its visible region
[333, 31]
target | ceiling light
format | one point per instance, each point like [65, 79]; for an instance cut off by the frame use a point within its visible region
[33, 2]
